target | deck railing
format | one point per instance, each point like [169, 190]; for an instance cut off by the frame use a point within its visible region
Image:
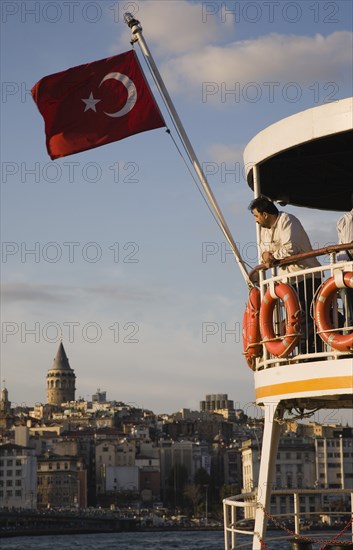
[310, 344]
[235, 508]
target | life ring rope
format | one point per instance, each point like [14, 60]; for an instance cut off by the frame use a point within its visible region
[338, 329]
[278, 338]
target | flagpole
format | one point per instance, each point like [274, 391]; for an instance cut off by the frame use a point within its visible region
[136, 31]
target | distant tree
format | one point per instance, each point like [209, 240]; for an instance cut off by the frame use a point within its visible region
[228, 490]
[193, 494]
[205, 482]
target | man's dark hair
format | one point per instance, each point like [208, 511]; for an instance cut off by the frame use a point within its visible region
[263, 204]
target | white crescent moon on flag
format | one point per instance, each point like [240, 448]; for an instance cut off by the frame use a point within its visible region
[131, 91]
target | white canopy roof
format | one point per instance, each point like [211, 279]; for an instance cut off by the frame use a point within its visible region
[306, 159]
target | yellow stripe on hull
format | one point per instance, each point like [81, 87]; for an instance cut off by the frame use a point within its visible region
[331, 383]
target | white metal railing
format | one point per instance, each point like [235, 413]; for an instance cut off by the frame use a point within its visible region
[310, 344]
[234, 508]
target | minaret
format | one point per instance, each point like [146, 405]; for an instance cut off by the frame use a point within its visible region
[60, 380]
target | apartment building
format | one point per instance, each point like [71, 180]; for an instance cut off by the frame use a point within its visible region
[334, 460]
[18, 477]
[62, 481]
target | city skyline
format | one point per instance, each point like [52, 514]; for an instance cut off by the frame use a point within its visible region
[113, 250]
[201, 403]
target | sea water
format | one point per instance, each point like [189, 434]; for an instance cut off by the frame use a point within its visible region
[165, 540]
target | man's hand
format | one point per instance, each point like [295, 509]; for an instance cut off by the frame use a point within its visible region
[268, 259]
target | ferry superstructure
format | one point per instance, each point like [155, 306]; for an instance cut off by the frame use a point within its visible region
[304, 160]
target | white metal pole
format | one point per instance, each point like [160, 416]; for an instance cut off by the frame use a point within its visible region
[136, 30]
[226, 525]
[296, 513]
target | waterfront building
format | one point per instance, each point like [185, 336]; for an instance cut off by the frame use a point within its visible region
[295, 464]
[334, 459]
[111, 454]
[295, 469]
[122, 479]
[18, 477]
[105, 457]
[233, 474]
[149, 477]
[226, 464]
[62, 481]
[189, 455]
[86, 439]
[60, 380]
[304, 463]
[250, 451]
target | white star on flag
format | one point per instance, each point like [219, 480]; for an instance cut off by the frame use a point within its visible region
[90, 103]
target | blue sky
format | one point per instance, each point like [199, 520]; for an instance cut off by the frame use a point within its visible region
[127, 263]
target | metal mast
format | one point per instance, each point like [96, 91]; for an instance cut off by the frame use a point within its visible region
[136, 31]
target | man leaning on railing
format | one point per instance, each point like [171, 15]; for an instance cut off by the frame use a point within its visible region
[281, 236]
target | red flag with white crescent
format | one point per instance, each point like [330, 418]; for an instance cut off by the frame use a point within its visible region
[94, 104]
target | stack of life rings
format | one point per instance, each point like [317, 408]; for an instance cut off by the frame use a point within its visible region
[258, 319]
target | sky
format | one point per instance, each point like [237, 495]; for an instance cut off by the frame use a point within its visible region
[114, 249]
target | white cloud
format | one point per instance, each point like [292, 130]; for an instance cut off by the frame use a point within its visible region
[35, 292]
[270, 58]
[55, 293]
[176, 26]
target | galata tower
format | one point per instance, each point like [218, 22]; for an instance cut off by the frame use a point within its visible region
[60, 380]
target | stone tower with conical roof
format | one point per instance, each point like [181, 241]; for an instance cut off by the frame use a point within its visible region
[5, 404]
[60, 380]
[5, 409]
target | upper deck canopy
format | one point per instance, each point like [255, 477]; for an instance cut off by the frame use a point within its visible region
[307, 159]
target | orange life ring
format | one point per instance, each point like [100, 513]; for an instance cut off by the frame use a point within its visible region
[251, 330]
[282, 347]
[340, 342]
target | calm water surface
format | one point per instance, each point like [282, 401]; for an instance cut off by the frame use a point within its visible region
[181, 540]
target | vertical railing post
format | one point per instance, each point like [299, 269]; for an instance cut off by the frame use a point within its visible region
[226, 525]
[296, 513]
[234, 521]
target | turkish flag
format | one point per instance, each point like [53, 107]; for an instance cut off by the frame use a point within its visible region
[94, 104]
